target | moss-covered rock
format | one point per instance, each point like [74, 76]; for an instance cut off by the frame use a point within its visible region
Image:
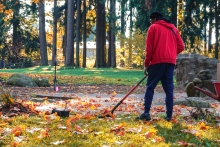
[21, 80]
[190, 89]
[42, 82]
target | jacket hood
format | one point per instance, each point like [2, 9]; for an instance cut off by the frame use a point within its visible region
[164, 23]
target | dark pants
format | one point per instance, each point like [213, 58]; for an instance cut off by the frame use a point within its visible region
[160, 72]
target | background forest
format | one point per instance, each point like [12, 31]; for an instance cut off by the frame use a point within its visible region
[31, 32]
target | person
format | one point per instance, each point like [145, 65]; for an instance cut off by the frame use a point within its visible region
[163, 44]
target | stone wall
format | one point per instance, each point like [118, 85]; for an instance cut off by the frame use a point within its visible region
[189, 65]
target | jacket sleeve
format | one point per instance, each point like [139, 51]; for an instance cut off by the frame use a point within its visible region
[180, 44]
[149, 47]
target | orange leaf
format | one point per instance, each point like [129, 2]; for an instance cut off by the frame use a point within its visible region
[114, 93]
[43, 134]
[17, 131]
[203, 126]
[150, 133]
[78, 128]
[158, 139]
[14, 144]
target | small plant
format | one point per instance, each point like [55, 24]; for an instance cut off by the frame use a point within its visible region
[6, 97]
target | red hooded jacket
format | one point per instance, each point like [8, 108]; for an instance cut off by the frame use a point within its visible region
[163, 43]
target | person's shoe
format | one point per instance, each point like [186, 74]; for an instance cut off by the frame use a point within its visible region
[144, 116]
[167, 118]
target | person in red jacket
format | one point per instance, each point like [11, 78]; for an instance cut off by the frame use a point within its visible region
[163, 44]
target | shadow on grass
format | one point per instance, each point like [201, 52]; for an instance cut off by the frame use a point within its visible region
[174, 135]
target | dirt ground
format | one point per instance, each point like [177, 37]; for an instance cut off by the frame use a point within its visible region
[26, 92]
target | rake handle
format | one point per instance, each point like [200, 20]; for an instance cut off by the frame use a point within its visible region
[121, 101]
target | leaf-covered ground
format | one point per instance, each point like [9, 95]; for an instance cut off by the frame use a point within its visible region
[25, 93]
[84, 128]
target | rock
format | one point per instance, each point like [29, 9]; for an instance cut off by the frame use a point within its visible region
[42, 82]
[21, 80]
[197, 81]
[199, 85]
[194, 102]
[190, 90]
[193, 64]
[197, 102]
[209, 76]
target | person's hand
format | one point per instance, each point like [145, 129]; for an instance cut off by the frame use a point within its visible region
[145, 70]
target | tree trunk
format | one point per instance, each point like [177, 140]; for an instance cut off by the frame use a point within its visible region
[131, 31]
[54, 49]
[103, 38]
[109, 48]
[123, 27]
[64, 43]
[112, 26]
[16, 38]
[84, 34]
[174, 12]
[216, 27]
[100, 33]
[205, 27]
[70, 34]
[210, 32]
[78, 26]
[123, 23]
[42, 35]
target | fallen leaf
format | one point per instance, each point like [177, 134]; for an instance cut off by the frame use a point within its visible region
[58, 142]
[114, 94]
[182, 143]
[98, 133]
[203, 126]
[43, 133]
[150, 133]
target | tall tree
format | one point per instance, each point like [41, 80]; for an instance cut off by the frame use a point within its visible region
[210, 27]
[54, 49]
[205, 24]
[100, 34]
[173, 12]
[42, 34]
[123, 28]
[123, 22]
[5, 27]
[112, 32]
[16, 38]
[69, 60]
[130, 32]
[217, 10]
[78, 27]
[84, 34]
[64, 41]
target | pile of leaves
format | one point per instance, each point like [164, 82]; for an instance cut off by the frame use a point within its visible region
[10, 107]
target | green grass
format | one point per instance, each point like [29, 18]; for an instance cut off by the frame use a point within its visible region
[82, 75]
[110, 76]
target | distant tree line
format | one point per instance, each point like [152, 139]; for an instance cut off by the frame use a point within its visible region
[23, 27]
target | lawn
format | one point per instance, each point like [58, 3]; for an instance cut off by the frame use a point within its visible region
[84, 129]
[82, 75]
